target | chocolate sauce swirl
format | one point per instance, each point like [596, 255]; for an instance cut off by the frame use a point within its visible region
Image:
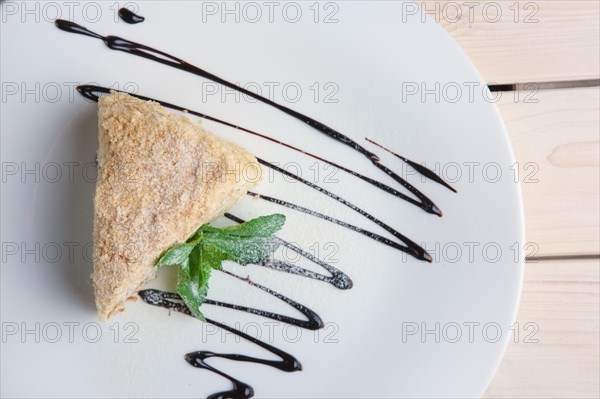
[240, 390]
[417, 167]
[287, 362]
[312, 322]
[141, 50]
[91, 92]
[410, 247]
[373, 236]
[337, 278]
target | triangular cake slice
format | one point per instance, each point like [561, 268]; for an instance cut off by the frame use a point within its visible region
[160, 177]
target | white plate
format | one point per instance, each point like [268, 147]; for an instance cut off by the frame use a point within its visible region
[369, 62]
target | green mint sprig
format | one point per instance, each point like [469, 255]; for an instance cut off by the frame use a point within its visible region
[248, 242]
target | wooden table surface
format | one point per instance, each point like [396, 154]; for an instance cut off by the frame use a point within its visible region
[549, 50]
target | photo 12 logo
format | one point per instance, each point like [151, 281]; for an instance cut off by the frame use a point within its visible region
[479, 252]
[455, 12]
[271, 332]
[282, 92]
[76, 253]
[69, 331]
[53, 92]
[253, 12]
[477, 172]
[450, 92]
[49, 11]
[467, 331]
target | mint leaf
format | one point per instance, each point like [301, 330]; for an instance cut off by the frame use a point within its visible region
[192, 285]
[262, 226]
[176, 255]
[243, 250]
[212, 256]
[249, 242]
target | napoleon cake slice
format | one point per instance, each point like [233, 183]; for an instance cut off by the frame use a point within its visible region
[160, 177]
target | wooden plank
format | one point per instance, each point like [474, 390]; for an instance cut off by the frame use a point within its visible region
[556, 142]
[524, 41]
[562, 300]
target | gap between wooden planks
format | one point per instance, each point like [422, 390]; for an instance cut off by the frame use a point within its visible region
[524, 41]
[555, 136]
[561, 302]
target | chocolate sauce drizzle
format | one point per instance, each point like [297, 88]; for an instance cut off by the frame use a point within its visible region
[417, 167]
[129, 16]
[360, 230]
[336, 277]
[241, 390]
[410, 247]
[288, 363]
[90, 92]
[141, 50]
